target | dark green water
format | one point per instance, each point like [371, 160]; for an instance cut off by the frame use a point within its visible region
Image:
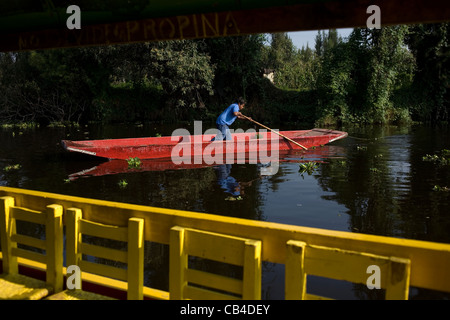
[375, 182]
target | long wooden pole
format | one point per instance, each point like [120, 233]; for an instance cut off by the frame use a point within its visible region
[281, 135]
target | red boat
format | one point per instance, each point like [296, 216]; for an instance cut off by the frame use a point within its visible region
[185, 147]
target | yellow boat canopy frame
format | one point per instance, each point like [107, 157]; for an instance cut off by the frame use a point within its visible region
[45, 24]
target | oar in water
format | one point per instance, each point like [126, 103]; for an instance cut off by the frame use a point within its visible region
[281, 135]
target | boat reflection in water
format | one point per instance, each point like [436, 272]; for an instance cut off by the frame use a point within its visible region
[236, 189]
[122, 166]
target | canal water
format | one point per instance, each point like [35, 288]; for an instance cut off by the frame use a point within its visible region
[375, 181]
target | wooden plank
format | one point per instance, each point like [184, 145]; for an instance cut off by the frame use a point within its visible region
[103, 230]
[25, 214]
[103, 252]
[316, 297]
[30, 255]
[202, 294]
[104, 270]
[205, 244]
[29, 241]
[218, 282]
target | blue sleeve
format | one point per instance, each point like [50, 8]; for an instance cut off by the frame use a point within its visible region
[235, 108]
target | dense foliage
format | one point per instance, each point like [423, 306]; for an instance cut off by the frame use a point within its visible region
[394, 74]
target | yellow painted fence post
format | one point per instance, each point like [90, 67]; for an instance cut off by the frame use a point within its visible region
[8, 228]
[295, 283]
[135, 259]
[54, 246]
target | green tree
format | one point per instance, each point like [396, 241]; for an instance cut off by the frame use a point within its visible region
[238, 62]
[358, 78]
[430, 45]
[294, 68]
[281, 52]
[52, 85]
[335, 84]
[184, 72]
[17, 90]
[326, 41]
[386, 59]
[282, 57]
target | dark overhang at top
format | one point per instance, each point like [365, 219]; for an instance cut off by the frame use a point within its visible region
[33, 25]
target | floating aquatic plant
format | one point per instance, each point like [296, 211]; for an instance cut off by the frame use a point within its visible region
[24, 125]
[308, 167]
[12, 167]
[123, 184]
[134, 163]
[443, 158]
[380, 155]
[342, 162]
[441, 189]
[234, 198]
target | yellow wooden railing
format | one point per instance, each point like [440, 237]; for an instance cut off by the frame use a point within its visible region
[189, 283]
[133, 256]
[304, 251]
[13, 284]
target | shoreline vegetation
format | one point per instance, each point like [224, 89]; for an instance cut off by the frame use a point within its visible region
[394, 75]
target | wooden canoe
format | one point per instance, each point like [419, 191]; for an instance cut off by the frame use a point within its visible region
[191, 145]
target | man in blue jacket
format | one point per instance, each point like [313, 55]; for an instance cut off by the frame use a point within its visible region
[227, 117]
